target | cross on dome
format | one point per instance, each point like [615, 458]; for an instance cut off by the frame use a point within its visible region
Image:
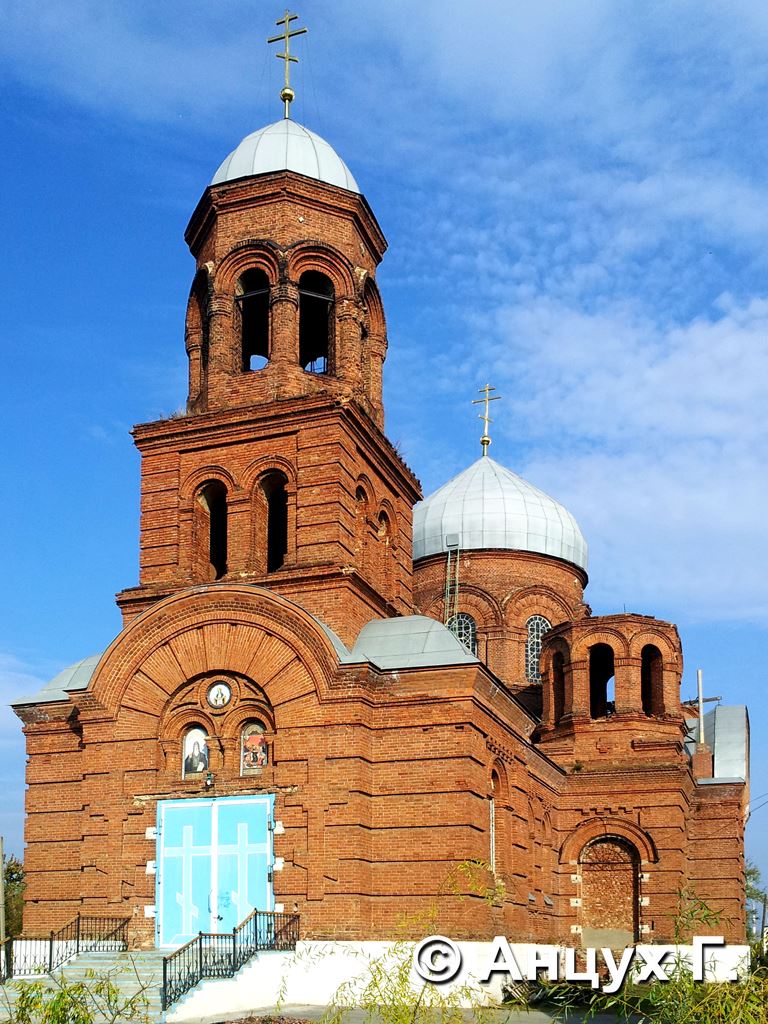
[287, 94]
[485, 440]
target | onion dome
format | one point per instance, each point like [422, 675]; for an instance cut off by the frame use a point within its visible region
[286, 146]
[489, 506]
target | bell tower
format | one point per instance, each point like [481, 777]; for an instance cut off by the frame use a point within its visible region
[280, 474]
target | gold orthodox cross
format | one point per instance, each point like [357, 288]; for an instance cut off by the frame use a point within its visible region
[287, 94]
[485, 440]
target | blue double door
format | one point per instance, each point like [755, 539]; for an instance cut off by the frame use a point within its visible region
[214, 864]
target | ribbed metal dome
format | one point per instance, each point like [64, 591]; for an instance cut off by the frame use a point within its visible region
[489, 506]
[286, 146]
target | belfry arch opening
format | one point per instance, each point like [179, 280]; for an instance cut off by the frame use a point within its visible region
[651, 680]
[316, 298]
[252, 300]
[211, 515]
[601, 681]
[273, 487]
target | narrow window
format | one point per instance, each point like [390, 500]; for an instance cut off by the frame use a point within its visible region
[536, 626]
[315, 322]
[601, 672]
[558, 686]
[464, 628]
[252, 297]
[276, 497]
[361, 526]
[194, 753]
[651, 680]
[254, 750]
[212, 519]
[492, 821]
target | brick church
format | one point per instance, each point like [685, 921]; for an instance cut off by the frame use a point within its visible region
[329, 694]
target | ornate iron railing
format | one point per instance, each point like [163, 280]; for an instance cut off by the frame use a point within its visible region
[37, 955]
[221, 955]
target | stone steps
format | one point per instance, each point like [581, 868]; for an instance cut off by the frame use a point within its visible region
[130, 971]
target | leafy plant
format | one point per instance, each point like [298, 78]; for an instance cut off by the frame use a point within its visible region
[691, 914]
[13, 872]
[97, 998]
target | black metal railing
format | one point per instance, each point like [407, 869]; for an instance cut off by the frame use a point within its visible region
[37, 955]
[221, 955]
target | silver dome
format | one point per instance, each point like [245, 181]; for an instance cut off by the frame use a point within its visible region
[286, 146]
[489, 506]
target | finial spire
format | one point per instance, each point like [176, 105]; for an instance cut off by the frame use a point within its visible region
[485, 440]
[287, 94]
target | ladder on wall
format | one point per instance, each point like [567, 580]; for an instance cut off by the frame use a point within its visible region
[451, 597]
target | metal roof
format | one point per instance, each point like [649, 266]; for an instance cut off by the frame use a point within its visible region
[726, 733]
[409, 641]
[286, 146]
[489, 506]
[74, 677]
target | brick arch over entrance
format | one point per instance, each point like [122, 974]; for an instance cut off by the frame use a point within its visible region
[596, 828]
[242, 629]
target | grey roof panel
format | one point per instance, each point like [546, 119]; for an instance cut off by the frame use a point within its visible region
[74, 677]
[410, 641]
[726, 733]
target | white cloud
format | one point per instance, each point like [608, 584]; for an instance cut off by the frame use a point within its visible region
[653, 435]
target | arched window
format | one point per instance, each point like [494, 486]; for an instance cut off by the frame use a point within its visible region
[651, 680]
[558, 686]
[315, 322]
[601, 672]
[254, 749]
[211, 513]
[464, 628]
[492, 821]
[276, 497]
[194, 751]
[361, 527]
[537, 626]
[252, 298]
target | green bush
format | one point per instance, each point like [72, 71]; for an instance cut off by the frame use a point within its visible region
[80, 1002]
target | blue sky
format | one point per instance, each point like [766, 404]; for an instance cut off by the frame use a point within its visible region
[576, 201]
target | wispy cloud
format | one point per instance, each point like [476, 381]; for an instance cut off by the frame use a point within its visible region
[17, 678]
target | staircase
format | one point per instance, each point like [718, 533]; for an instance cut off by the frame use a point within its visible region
[128, 971]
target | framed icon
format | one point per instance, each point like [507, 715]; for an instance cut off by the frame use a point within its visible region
[195, 751]
[219, 695]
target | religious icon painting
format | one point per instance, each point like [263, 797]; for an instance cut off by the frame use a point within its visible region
[219, 695]
[255, 751]
[195, 751]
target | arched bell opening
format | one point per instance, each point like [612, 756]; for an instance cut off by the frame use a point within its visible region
[252, 308]
[602, 701]
[211, 530]
[273, 487]
[652, 680]
[316, 303]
